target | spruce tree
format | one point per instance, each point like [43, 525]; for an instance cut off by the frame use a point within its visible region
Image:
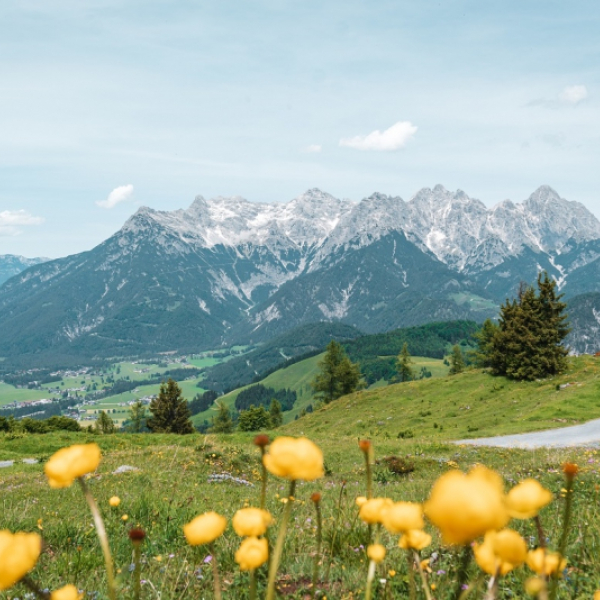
[275, 413]
[104, 423]
[337, 376]
[457, 361]
[170, 412]
[484, 338]
[403, 365]
[254, 419]
[222, 423]
[528, 343]
[137, 418]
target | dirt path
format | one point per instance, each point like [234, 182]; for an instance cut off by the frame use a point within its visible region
[587, 434]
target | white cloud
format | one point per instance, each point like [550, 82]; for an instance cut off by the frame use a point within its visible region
[11, 219]
[574, 94]
[313, 148]
[118, 195]
[393, 138]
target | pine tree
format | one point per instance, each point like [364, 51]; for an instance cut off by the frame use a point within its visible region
[528, 343]
[457, 361]
[484, 337]
[254, 419]
[170, 412]
[222, 423]
[104, 424]
[137, 417]
[275, 413]
[337, 376]
[403, 365]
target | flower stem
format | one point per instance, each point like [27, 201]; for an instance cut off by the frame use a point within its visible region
[422, 574]
[101, 531]
[280, 541]
[335, 529]
[33, 587]
[252, 584]
[540, 532]
[137, 588]
[317, 558]
[372, 566]
[462, 571]
[215, 572]
[412, 590]
[263, 484]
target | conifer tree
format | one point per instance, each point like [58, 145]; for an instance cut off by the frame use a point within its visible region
[104, 423]
[484, 337]
[170, 412]
[275, 413]
[254, 419]
[337, 376]
[457, 361]
[137, 418]
[222, 423]
[528, 343]
[403, 365]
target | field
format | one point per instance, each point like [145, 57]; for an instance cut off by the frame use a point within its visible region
[170, 486]
[471, 404]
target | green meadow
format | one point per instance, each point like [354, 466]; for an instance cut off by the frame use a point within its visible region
[170, 485]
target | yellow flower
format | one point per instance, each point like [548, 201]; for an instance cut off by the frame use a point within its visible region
[68, 592]
[251, 522]
[204, 529]
[526, 499]
[115, 501]
[416, 539]
[69, 463]
[125, 518]
[252, 553]
[545, 563]
[18, 554]
[501, 551]
[294, 458]
[464, 507]
[402, 516]
[597, 595]
[360, 501]
[373, 510]
[376, 552]
[534, 585]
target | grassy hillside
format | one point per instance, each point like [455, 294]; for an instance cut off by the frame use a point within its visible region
[472, 404]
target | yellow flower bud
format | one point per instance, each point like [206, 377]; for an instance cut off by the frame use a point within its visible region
[416, 539]
[204, 529]
[545, 563]
[125, 518]
[294, 458]
[526, 499]
[115, 501]
[69, 463]
[402, 516]
[252, 553]
[373, 510]
[251, 522]
[18, 554]
[509, 547]
[464, 507]
[68, 592]
[534, 585]
[376, 552]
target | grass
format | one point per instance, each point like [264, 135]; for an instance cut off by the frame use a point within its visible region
[170, 487]
[471, 404]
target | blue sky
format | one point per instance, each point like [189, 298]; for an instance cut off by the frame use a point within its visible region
[107, 105]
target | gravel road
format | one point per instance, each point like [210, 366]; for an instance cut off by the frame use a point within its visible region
[587, 434]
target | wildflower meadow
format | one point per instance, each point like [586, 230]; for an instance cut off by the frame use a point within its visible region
[256, 517]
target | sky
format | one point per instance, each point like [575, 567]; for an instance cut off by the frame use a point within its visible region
[109, 105]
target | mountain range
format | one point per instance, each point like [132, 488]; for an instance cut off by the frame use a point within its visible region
[227, 270]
